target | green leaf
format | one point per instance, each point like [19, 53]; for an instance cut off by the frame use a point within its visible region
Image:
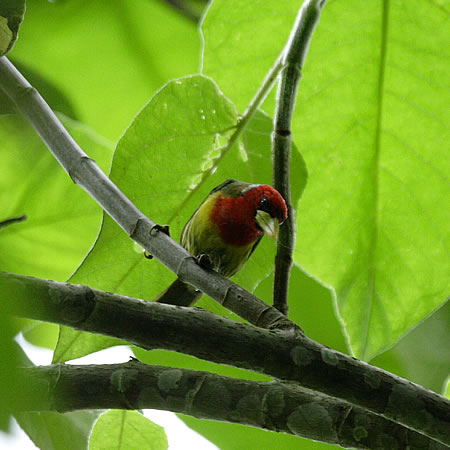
[227, 435]
[162, 164]
[156, 162]
[56, 431]
[126, 430]
[380, 234]
[9, 389]
[241, 42]
[42, 334]
[11, 16]
[422, 355]
[61, 220]
[107, 57]
[52, 94]
[370, 123]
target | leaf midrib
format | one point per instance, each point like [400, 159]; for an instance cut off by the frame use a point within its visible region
[376, 174]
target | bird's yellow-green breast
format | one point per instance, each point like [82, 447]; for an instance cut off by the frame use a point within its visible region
[227, 227]
[208, 234]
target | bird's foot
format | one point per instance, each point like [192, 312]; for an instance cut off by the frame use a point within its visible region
[163, 228]
[155, 228]
[204, 261]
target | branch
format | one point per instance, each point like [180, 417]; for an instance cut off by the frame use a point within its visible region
[85, 172]
[300, 32]
[245, 118]
[271, 406]
[12, 220]
[87, 175]
[282, 354]
[293, 57]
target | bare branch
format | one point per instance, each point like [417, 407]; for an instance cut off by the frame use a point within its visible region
[271, 406]
[85, 172]
[292, 62]
[280, 354]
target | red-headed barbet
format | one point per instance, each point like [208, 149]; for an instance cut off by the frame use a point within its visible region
[227, 227]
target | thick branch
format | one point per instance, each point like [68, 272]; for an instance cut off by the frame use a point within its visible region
[272, 406]
[282, 354]
[85, 172]
[293, 57]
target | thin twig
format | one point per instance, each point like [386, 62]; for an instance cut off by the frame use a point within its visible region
[292, 62]
[249, 112]
[12, 220]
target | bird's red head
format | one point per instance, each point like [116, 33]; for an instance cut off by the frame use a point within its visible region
[243, 212]
[266, 198]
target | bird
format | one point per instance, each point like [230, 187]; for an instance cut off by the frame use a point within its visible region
[225, 229]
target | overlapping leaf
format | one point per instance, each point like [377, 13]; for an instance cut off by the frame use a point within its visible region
[163, 165]
[372, 124]
[107, 57]
[126, 430]
[61, 220]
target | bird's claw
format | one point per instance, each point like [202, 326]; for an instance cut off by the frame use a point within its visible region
[148, 255]
[154, 229]
[204, 261]
[163, 228]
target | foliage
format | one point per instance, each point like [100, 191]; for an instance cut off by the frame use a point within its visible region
[372, 238]
[11, 16]
[132, 431]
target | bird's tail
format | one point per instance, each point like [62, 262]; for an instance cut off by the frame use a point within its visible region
[179, 294]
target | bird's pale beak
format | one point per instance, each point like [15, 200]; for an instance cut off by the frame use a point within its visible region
[267, 223]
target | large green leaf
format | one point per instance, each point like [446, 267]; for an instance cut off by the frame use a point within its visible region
[56, 431]
[371, 124]
[61, 220]
[126, 430]
[157, 164]
[107, 57]
[52, 94]
[422, 356]
[241, 41]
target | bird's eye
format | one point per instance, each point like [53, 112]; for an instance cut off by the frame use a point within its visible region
[264, 205]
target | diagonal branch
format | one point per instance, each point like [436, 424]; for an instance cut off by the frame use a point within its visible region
[282, 354]
[85, 172]
[271, 406]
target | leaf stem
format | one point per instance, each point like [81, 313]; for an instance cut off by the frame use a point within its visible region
[253, 106]
[292, 62]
